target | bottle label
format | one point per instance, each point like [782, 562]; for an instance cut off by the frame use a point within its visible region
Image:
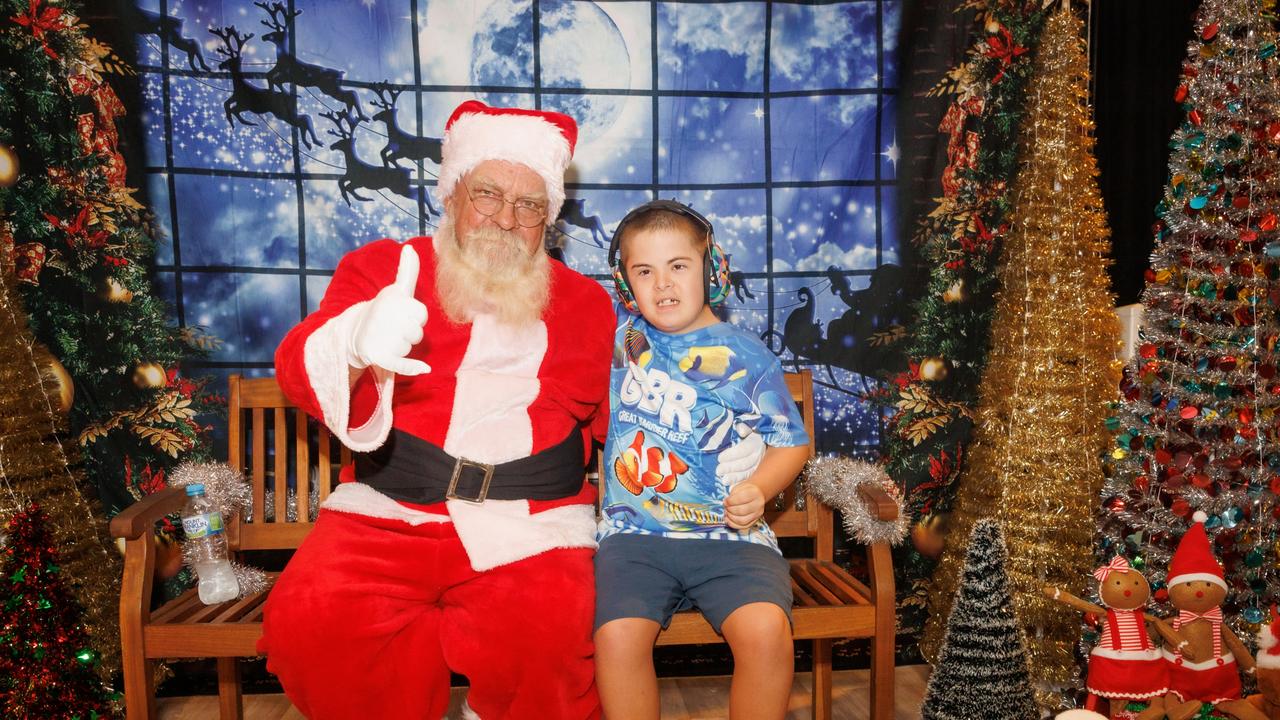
[198, 526]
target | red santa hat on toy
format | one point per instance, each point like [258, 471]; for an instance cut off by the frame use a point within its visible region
[540, 140]
[1193, 560]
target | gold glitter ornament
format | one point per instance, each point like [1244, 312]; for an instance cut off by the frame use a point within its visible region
[933, 369]
[1039, 432]
[57, 377]
[955, 293]
[9, 167]
[113, 291]
[149, 375]
[929, 535]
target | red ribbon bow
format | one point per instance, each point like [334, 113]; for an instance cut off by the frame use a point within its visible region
[1213, 615]
[1117, 564]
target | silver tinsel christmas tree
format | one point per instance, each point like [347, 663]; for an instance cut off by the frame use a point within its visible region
[982, 668]
[1198, 427]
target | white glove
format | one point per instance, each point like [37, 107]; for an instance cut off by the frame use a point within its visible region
[740, 460]
[391, 323]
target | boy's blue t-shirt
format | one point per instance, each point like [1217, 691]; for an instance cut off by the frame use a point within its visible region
[676, 402]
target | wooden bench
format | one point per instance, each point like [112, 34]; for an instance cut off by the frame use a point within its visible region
[272, 442]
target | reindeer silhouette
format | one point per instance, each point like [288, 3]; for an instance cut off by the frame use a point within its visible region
[288, 69]
[249, 98]
[168, 28]
[573, 212]
[401, 144]
[359, 174]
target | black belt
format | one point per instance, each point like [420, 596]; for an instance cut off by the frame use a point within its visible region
[409, 468]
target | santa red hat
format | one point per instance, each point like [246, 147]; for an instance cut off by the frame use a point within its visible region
[1193, 560]
[540, 140]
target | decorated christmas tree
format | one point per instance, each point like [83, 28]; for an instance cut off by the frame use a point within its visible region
[47, 666]
[1197, 428]
[959, 242]
[1035, 462]
[83, 252]
[981, 670]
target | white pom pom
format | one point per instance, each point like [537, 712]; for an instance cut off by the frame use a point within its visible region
[1199, 516]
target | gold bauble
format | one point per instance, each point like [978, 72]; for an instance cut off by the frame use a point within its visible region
[929, 535]
[955, 293]
[113, 291]
[150, 375]
[52, 371]
[8, 166]
[933, 369]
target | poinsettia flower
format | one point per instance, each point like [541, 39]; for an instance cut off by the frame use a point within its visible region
[40, 21]
[1002, 47]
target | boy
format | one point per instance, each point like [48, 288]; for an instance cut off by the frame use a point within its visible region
[693, 403]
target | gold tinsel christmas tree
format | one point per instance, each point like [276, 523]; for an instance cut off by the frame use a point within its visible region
[1035, 463]
[34, 469]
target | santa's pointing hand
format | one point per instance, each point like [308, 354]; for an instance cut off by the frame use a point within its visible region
[391, 324]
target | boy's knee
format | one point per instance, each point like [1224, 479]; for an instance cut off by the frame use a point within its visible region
[758, 628]
[636, 635]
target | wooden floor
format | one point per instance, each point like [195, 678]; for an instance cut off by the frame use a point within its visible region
[701, 698]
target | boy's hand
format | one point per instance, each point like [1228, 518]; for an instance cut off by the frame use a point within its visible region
[744, 506]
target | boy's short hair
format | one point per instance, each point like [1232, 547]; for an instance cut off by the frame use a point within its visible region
[671, 215]
[663, 219]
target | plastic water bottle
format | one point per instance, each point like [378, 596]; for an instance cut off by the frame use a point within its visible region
[202, 523]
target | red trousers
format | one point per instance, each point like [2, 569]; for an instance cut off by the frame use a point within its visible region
[370, 616]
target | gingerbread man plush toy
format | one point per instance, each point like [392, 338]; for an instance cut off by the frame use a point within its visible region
[1268, 670]
[1125, 664]
[1204, 667]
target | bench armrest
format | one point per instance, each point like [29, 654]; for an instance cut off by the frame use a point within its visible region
[882, 506]
[141, 516]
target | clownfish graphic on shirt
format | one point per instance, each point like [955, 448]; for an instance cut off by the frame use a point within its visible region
[677, 402]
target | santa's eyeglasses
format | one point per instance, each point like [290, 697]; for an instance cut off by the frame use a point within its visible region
[489, 202]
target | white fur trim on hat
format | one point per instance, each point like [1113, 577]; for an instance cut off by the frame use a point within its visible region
[524, 139]
[1192, 577]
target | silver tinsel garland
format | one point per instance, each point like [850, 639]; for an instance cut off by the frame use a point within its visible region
[229, 492]
[835, 480]
[224, 487]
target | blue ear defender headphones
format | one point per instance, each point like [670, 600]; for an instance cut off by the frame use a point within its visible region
[715, 265]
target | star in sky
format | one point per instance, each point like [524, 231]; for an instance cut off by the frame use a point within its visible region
[759, 113]
[891, 153]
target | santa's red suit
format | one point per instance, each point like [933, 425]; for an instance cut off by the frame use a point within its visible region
[386, 597]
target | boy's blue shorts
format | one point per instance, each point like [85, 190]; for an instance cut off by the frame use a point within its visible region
[653, 577]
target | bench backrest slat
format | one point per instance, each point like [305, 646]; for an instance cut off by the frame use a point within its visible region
[285, 455]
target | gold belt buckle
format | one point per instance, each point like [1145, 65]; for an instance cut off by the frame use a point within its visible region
[452, 492]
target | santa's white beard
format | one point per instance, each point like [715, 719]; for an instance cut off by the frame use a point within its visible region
[491, 271]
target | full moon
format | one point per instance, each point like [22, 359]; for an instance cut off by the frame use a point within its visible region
[581, 47]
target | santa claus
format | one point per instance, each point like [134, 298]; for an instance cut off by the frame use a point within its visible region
[470, 372]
